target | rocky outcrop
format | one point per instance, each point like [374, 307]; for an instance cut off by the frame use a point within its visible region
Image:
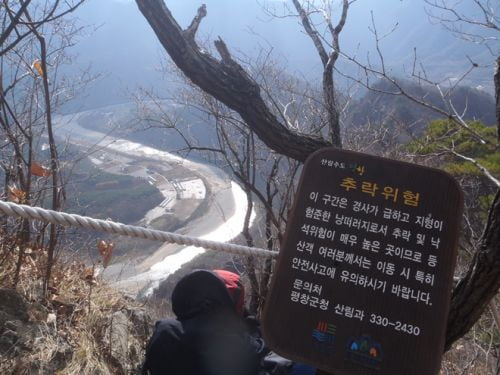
[16, 331]
[36, 340]
[125, 336]
[24, 329]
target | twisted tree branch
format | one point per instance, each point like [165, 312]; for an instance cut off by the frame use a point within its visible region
[226, 81]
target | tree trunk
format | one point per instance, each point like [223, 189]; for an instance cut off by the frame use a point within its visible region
[482, 281]
[54, 161]
[250, 260]
[497, 98]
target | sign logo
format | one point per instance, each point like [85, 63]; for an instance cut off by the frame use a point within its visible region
[365, 351]
[324, 337]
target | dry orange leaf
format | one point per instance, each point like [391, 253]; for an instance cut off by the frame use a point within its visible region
[37, 64]
[88, 275]
[16, 195]
[39, 170]
[88, 272]
[106, 251]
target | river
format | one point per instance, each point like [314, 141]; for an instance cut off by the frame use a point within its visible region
[222, 221]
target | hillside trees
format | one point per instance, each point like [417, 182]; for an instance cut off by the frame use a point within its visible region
[229, 83]
[476, 166]
[34, 38]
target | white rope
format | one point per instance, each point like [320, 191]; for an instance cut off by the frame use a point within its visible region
[55, 217]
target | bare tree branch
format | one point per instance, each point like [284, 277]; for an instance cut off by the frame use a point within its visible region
[328, 60]
[497, 97]
[313, 34]
[193, 28]
[228, 82]
[14, 20]
[483, 169]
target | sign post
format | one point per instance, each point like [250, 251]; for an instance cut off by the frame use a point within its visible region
[364, 276]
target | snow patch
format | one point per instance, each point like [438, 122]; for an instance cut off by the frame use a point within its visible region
[95, 161]
[225, 233]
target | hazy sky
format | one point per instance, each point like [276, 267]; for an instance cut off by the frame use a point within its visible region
[126, 51]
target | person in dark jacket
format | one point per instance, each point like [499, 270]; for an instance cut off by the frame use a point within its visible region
[210, 335]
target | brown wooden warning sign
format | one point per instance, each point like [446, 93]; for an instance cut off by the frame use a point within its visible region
[363, 280]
